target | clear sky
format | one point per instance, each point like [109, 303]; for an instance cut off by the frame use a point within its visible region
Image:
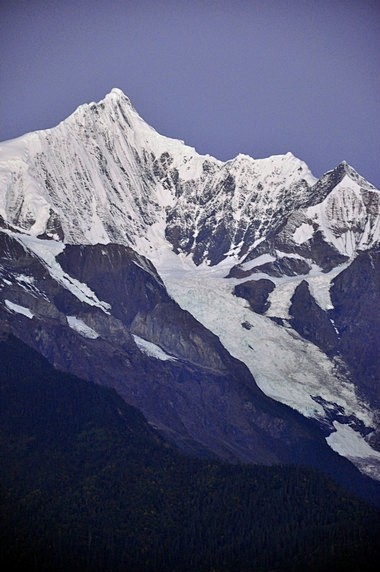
[259, 77]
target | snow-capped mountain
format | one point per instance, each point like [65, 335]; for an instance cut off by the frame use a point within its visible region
[102, 218]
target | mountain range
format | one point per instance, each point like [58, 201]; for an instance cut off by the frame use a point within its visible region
[234, 304]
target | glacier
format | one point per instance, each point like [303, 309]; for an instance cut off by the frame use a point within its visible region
[103, 176]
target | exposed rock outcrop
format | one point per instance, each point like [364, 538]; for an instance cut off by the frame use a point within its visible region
[256, 292]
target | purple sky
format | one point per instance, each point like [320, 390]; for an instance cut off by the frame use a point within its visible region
[256, 77]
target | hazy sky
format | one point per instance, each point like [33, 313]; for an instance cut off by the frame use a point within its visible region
[228, 77]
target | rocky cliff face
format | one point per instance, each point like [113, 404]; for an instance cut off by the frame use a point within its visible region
[311, 322]
[102, 313]
[356, 315]
[132, 261]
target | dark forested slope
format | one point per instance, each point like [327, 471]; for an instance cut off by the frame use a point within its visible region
[87, 485]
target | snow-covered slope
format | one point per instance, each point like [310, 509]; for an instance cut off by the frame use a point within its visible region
[286, 366]
[267, 226]
[104, 175]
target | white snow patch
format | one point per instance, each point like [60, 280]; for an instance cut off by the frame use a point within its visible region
[259, 261]
[279, 299]
[320, 290]
[281, 254]
[334, 326]
[151, 349]
[25, 279]
[46, 251]
[348, 443]
[303, 233]
[18, 309]
[83, 329]
[320, 284]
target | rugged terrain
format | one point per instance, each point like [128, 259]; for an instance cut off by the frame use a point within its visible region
[235, 304]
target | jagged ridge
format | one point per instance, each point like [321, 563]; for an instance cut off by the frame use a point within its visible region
[104, 176]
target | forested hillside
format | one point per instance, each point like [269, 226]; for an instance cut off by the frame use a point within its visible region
[87, 485]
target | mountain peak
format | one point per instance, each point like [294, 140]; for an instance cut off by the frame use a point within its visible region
[117, 95]
[346, 169]
[105, 177]
[116, 92]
